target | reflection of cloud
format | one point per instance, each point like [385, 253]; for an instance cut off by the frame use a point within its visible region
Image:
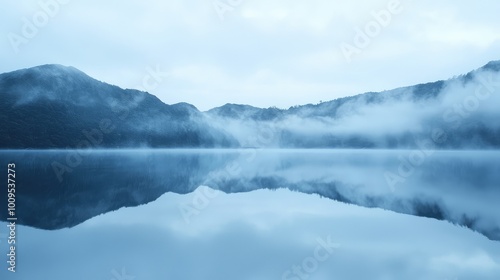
[479, 261]
[247, 236]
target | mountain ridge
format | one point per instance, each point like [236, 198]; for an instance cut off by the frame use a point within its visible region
[54, 106]
[51, 105]
[422, 88]
[493, 65]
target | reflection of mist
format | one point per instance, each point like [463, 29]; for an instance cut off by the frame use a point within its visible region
[458, 186]
[461, 187]
[256, 235]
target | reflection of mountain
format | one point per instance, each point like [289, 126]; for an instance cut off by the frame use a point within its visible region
[54, 106]
[269, 229]
[100, 182]
[460, 187]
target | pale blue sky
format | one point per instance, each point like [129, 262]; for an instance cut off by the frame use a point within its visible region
[264, 53]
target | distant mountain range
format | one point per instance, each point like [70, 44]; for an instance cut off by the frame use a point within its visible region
[54, 106]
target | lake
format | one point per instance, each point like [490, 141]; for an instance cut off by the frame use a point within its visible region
[259, 214]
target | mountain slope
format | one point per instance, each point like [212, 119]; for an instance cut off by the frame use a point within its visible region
[461, 109]
[54, 106]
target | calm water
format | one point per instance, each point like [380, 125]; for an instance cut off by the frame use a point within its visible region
[59, 189]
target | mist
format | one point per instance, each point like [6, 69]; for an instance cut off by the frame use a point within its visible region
[461, 108]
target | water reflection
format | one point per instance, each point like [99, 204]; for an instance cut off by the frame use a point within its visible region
[458, 186]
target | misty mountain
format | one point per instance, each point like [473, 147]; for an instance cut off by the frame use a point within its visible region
[459, 111]
[54, 106]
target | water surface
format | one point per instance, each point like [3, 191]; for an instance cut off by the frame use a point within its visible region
[58, 189]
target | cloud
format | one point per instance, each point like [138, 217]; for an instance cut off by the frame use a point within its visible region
[475, 261]
[297, 41]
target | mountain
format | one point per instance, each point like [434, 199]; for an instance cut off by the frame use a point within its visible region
[461, 110]
[54, 106]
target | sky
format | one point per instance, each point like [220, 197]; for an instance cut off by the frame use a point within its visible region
[259, 52]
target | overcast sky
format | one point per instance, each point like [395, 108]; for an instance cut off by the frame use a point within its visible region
[260, 52]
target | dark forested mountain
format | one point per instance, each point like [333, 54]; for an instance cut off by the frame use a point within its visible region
[53, 106]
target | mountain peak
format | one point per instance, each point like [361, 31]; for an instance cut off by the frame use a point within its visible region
[233, 110]
[47, 70]
[492, 66]
[54, 82]
[58, 69]
[54, 67]
[48, 74]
